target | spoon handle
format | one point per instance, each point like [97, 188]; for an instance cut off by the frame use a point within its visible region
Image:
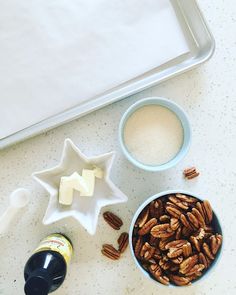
[6, 219]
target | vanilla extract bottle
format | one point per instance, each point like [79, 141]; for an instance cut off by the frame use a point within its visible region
[46, 269]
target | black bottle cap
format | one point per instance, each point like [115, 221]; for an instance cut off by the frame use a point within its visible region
[38, 283]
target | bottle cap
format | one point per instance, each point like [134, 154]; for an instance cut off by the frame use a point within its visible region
[38, 284]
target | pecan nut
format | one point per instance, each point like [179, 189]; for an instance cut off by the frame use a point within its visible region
[113, 220]
[199, 217]
[207, 251]
[196, 243]
[123, 242]
[173, 211]
[188, 199]
[179, 203]
[143, 217]
[179, 281]
[191, 173]
[162, 231]
[147, 251]
[188, 264]
[174, 223]
[164, 218]
[197, 268]
[138, 246]
[147, 227]
[110, 252]
[216, 241]
[185, 222]
[203, 259]
[192, 218]
[187, 250]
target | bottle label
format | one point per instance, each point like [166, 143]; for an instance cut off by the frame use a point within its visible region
[57, 243]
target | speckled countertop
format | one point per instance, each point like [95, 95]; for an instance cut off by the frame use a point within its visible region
[208, 94]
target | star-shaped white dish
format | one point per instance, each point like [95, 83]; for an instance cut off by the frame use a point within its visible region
[84, 209]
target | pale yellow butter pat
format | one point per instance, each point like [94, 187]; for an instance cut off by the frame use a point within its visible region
[98, 172]
[67, 186]
[89, 177]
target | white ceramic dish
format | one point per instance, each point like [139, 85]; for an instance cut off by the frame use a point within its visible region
[84, 209]
[178, 111]
[139, 210]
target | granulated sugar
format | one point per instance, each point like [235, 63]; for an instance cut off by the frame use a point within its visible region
[153, 135]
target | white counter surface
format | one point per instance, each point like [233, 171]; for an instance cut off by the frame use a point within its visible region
[208, 94]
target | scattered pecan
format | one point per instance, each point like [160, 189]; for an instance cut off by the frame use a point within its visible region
[190, 173]
[123, 242]
[113, 220]
[147, 251]
[162, 231]
[110, 252]
[215, 241]
[179, 281]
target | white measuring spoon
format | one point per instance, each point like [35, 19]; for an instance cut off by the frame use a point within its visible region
[18, 199]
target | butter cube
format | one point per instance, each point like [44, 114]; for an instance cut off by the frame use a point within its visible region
[98, 172]
[67, 186]
[89, 177]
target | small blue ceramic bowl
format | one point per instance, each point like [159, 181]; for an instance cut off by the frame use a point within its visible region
[179, 113]
[216, 224]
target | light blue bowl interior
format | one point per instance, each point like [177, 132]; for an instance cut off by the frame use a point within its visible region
[175, 109]
[216, 225]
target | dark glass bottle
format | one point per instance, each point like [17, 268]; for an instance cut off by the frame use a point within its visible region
[46, 269]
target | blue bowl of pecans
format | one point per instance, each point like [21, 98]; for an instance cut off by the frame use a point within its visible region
[175, 238]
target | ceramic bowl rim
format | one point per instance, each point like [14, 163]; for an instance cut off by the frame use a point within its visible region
[178, 111]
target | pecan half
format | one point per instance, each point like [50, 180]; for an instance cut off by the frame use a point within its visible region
[215, 241]
[178, 233]
[185, 222]
[177, 260]
[199, 217]
[113, 220]
[208, 211]
[164, 218]
[164, 263]
[178, 280]
[163, 279]
[190, 173]
[162, 231]
[143, 217]
[203, 259]
[192, 218]
[110, 252]
[196, 243]
[138, 246]
[147, 251]
[163, 243]
[179, 203]
[123, 242]
[187, 250]
[174, 223]
[155, 270]
[186, 231]
[156, 208]
[175, 244]
[207, 251]
[188, 199]
[175, 212]
[153, 241]
[195, 270]
[147, 227]
[188, 264]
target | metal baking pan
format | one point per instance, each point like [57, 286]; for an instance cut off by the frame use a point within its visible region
[201, 44]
